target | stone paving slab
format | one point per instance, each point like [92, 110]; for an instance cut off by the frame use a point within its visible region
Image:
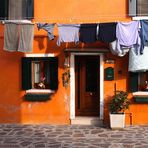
[71, 136]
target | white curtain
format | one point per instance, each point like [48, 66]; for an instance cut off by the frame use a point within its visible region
[138, 63]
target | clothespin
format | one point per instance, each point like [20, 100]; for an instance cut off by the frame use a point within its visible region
[70, 20]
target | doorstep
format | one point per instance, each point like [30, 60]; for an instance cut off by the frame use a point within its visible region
[80, 120]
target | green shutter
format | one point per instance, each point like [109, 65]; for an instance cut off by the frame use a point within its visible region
[26, 73]
[133, 82]
[142, 7]
[53, 73]
[3, 9]
[30, 9]
[132, 7]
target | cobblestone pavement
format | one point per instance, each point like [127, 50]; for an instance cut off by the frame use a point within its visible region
[71, 136]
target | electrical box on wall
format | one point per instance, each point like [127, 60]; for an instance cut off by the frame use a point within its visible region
[109, 73]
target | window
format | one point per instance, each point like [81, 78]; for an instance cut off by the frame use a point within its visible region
[91, 75]
[40, 73]
[138, 7]
[138, 81]
[16, 9]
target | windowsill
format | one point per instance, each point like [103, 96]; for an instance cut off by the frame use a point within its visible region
[140, 94]
[40, 91]
[40, 55]
[16, 21]
[141, 97]
[38, 95]
[137, 18]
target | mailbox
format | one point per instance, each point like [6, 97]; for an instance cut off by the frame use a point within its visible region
[109, 73]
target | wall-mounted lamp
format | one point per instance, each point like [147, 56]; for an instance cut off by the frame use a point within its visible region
[67, 61]
[109, 61]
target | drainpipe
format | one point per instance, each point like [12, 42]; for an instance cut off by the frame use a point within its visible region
[115, 88]
[131, 118]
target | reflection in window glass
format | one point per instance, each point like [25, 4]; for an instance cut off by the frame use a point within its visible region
[40, 74]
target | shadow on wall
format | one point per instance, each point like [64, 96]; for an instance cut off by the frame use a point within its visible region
[10, 87]
[40, 40]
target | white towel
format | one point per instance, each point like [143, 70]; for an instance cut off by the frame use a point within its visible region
[18, 37]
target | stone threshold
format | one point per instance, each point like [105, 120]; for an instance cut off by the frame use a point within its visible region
[80, 120]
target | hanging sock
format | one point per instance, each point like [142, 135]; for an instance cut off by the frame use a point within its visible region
[88, 33]
[47, 27]
[68, 33]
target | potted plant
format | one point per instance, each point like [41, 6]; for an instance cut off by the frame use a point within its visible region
[117, 106]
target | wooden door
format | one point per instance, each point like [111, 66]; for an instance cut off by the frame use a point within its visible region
[87, 70]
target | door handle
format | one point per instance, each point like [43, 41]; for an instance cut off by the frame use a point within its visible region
[91, 94]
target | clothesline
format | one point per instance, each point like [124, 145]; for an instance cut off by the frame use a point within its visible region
[88, 16]
[35, 23]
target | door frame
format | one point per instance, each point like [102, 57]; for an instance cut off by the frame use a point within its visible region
[72, 82]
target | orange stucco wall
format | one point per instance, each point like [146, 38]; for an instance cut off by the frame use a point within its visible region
[13, 109]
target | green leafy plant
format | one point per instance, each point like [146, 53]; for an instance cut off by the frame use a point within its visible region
[119, 102]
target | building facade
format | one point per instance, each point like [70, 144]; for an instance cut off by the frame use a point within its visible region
[74, 83]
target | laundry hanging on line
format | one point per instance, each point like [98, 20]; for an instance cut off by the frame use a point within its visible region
[47, 27]
[113, 49]
[88, 33]
[128, 36]
[138, 63]
[144, 34]
[18, 37]
[121, 35]
[107, 32]
[68, 33]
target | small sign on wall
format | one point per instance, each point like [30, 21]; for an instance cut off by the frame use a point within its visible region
[109, 73]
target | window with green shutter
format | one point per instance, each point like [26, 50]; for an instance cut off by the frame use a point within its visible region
[138, 81]
[40, 73]
[16, 9]
[138, 7]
